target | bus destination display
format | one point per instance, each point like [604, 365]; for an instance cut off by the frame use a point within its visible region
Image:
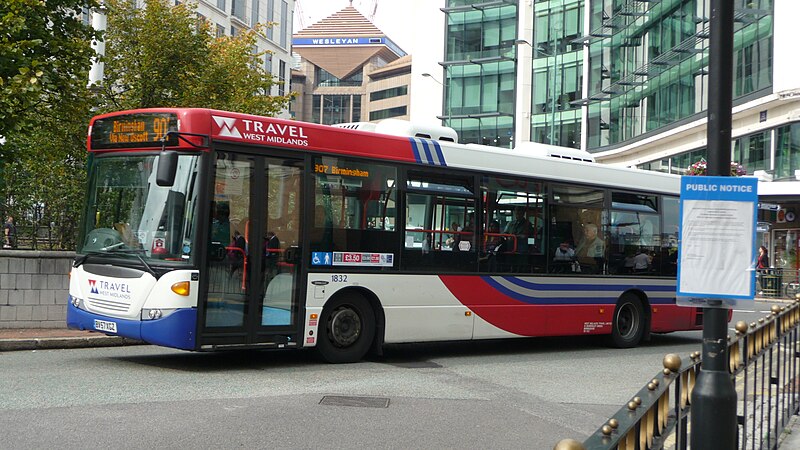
[134, 130]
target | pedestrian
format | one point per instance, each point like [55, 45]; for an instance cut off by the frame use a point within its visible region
[762, 266]
[9, 233]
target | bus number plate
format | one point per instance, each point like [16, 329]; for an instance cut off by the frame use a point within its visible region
[102, 325]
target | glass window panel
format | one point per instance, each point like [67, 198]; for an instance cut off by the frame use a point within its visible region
[577, 195]
[440, 229]
[514, 226]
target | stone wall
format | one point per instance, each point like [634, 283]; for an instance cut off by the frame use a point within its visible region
[34, 286]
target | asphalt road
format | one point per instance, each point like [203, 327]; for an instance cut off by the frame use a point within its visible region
[526, 393]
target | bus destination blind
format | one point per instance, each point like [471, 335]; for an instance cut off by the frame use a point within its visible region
[134, 130]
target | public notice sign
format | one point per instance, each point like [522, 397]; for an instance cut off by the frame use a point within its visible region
[716, 253]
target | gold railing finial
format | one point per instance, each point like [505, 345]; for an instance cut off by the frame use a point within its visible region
[741, 327]
[672, 362]
[569, 444]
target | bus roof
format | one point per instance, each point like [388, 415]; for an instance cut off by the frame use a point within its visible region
[538, 160]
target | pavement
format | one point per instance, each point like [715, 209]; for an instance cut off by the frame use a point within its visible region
[12, 339]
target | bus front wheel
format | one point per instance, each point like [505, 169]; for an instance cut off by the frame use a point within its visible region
[347, 328]
[628, 324]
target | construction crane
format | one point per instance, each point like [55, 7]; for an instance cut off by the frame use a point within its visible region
[373, 9]
[298, 12]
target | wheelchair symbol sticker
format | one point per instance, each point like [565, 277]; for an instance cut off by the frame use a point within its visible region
[321, 258]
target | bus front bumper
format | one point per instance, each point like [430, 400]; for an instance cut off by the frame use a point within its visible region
[176, 330]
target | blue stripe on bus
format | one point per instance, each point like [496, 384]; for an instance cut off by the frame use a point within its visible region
[583, 300]
[582, 287]
[428, 154]
[415, 149]
[439, 153]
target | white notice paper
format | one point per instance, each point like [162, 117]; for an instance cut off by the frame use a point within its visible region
[714, 254]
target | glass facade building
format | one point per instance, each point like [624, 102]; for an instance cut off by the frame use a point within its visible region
[603, 73]
[480, 69]
[648, 63]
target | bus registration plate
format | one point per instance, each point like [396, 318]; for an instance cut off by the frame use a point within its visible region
[102, 325]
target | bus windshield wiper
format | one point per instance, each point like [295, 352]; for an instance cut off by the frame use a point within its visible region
[82, 259]
[137, 252]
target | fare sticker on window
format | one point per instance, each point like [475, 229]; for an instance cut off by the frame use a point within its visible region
[363, 259]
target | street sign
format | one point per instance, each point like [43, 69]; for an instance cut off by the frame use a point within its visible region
[716, 254]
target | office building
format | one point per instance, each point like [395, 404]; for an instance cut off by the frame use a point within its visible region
[348, 70]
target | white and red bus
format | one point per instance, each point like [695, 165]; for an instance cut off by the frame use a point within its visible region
[208, 230]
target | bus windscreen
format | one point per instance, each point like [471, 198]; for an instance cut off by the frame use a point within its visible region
[134, 130]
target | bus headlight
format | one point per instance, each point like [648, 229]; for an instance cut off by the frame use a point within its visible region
[76, 302]
[156, 313]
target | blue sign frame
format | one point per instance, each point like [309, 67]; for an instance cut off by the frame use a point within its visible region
[716, 204]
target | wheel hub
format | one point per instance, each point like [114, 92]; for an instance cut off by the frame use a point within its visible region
[345, 327]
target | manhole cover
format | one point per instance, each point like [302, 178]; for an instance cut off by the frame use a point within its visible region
[363, 402]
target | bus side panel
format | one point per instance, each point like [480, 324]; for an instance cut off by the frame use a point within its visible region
[532, 320]
[667, 318]
[417, 308]
[421, 308]
[558, 306]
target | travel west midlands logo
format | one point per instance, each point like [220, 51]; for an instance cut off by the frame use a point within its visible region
[227, 126]
[119, 291]
[267, 132]
[93, 287]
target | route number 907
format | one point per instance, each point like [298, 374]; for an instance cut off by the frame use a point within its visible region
[338, 278]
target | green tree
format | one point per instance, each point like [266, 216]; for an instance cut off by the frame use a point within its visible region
[45, 180]
[45, 55]
[165, 56]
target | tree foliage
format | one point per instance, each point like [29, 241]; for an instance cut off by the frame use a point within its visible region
[45, 55]
[163, 55]
[45, 180]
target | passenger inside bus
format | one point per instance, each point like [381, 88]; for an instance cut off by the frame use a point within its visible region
[591, 250]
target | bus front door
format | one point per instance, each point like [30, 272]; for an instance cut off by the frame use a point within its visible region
[252, 294]
[277, 292]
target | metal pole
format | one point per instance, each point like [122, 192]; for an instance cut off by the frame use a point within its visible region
[713, 421]
[449, 97]
[554, 53]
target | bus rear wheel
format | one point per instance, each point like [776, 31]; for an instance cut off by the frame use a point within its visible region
[627, 327]
[347, 328]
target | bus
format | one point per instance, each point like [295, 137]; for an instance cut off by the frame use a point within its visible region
[209, 230]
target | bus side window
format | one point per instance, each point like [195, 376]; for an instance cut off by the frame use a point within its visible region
[440, 233]
[516, 208]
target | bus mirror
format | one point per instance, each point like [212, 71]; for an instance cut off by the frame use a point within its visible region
[167, 166]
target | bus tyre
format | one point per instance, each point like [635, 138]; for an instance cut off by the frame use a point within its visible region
[627, 327]
[347, 328]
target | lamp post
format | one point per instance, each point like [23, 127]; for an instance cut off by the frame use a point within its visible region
[445, 93]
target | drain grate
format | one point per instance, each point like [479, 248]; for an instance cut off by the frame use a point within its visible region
[362, 402]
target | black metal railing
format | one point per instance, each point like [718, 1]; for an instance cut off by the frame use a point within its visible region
[764, 359]
[31, 237]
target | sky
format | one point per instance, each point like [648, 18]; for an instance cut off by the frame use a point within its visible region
[393, 17]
